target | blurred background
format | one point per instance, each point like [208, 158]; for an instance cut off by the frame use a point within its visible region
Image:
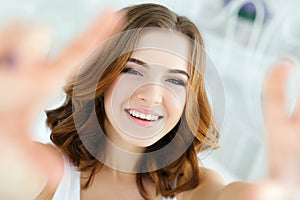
[243, 38]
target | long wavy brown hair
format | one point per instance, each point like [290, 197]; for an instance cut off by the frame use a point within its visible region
[184, 171]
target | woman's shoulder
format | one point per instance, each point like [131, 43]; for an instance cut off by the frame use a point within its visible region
[52, 160]
[51, 157]
[209, 188]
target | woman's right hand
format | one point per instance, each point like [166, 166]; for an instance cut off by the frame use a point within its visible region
[27, 81]
[27, 78]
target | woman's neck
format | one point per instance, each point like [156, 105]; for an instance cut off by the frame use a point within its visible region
[119, 154]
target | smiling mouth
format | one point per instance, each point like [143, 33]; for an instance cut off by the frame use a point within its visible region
[143, 116]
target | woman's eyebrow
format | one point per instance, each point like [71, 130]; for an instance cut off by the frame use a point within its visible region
[142, 63]
[134, 60]
[178, 71]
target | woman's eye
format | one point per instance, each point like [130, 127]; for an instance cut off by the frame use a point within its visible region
[176, 81]
[131, 71]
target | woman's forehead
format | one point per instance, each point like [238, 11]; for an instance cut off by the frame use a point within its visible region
[163, 47]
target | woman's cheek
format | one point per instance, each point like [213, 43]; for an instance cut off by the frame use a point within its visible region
[175, 105]
[125, 87]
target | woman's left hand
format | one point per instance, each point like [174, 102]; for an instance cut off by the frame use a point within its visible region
[283, 138]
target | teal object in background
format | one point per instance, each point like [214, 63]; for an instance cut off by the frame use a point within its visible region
[248, 10]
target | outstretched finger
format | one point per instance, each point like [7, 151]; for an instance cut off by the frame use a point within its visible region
[23, 46]
[274, 93]
[104, 26]
[23, 49]
[295, 113]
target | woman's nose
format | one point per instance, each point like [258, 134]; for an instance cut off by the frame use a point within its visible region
[150, 94]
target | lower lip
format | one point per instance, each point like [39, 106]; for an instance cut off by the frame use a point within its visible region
[141, 122]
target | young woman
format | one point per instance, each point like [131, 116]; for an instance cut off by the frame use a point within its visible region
[134, 119]
[138, 91]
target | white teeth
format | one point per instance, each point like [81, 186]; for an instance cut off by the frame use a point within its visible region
[143, 116]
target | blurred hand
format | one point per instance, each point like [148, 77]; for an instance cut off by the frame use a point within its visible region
[27, 81]
[283, 139]
[283, 131]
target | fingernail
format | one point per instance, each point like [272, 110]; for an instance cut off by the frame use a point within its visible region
[289, 63]
[9, 60]
[289, 60]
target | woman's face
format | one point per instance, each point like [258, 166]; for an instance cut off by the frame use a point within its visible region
[147, 99]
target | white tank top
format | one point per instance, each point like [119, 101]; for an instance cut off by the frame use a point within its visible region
[69, 186]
